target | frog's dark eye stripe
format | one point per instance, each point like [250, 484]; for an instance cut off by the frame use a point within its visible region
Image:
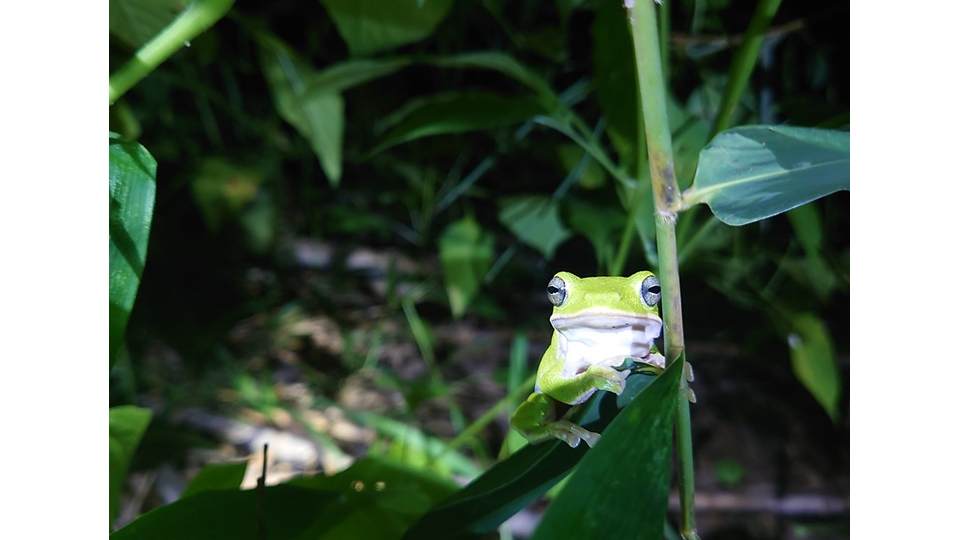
[557, 291]
[650, 291]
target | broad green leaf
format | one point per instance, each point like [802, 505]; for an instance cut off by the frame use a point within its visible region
[135, 22]
[133, 174]
[535, 220]
[217, 476]
[371, 499]
[127, 424]
[371, 26]
[466, 253]
[616, 79]
[458, 112]
[519, 480]
[630, 465]
[753, 172]
[814, 364]
[315, 111]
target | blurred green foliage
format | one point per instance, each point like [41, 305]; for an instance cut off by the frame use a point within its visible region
[337, 180]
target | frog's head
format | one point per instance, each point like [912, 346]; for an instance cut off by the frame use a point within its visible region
[611, 316]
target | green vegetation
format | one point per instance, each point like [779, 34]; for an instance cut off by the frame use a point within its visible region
[352, 210]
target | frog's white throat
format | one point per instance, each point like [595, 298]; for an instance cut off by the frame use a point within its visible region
[604, 339]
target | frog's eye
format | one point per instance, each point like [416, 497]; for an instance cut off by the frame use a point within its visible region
[650, 291]
[557, 291]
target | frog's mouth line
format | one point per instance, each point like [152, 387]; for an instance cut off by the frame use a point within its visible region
[649, 324]
[607, 339]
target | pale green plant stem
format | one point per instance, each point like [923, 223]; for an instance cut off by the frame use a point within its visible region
[194, 20]
[664, 25]
[667, 198]
[743, 63]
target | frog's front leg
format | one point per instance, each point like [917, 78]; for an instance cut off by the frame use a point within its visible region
[577, 389]
[536, 419]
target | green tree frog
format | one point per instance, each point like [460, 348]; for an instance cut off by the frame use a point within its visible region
[603, 328]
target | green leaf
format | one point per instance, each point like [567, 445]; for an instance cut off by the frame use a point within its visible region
[690, 134]
[127, 424]
[466, 253]
[814, 364]
[133, 174]
[458, 112]
[371, 499]
[753, 172]
[135, 22]
[598, 223]
[316, 111]
[813, 270]
[591, 175]
[416, 449]
[503, 63]
[346, 75]
[371, 26]
[517, 481]
[535, 220]
[217, 476]
[806, 223]
[629, 465]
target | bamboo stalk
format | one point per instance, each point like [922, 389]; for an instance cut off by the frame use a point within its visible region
[667, 198]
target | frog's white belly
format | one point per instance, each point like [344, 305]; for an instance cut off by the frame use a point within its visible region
[606, 341]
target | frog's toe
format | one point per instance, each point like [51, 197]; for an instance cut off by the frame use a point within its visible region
[572, 434]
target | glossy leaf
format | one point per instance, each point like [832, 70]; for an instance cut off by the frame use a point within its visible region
[136, 21]
[132, 191]
[458, 112]
[814, 364]
[217, 476]
[127, 425]
[517, 481]
[371, 499]
[753, 172]
[629, 465]
[466, 253]
[371, 26]
[536, 221]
